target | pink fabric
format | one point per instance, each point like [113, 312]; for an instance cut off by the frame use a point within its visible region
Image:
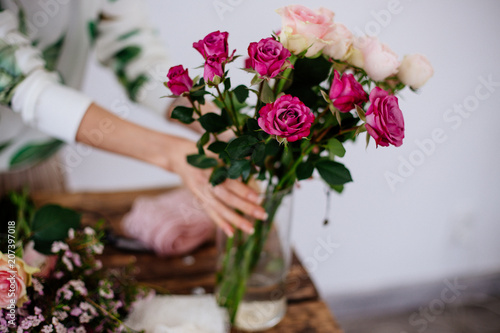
[172, 223]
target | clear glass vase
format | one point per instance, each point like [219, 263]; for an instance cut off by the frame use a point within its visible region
[252, 268]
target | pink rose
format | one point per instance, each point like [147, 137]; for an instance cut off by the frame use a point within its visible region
[304, 28]
[268, 57]
[415, 70]
[45, 264]
[179, 80]
[213, 67]
[14, 289]
[346, 92]
[215, 43]
[384, 119]
[287, 118]
[338, 41]
[378, 60]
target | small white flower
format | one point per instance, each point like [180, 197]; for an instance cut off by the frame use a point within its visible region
[68, 263]
[58, 246]
[48, 329]
[85, 318]
[89, 231]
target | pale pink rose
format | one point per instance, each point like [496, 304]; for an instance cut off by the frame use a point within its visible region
[415, 70]
[378, 60]
[338, 41]
[304, 28]
[32, 257]
[15, 276]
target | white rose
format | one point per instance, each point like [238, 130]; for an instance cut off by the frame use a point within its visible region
[339, 39]
[378, 60]
[415, 70]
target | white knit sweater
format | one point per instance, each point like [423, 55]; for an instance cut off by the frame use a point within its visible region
[44, 48]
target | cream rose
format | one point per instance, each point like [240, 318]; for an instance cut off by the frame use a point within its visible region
[415, 70]
[338, 41]
[377, 59]
[304, 28]
[15, 276]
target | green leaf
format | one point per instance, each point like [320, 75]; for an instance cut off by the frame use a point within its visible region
[241, 146]
[183, 114]
[213, 122]
[336, 148]
[51, 223]
[198, 92]
[241, 93]
[227, 83]
[333, 173]
[34, 152]
[218, 176]
[240, 168]
[202, 142]
[267, 95]
[361, 113]
[217, 147]
[338, 188]
[259, 154]
[256, 80]
[201, 161]
[304, 170]
[272, 147]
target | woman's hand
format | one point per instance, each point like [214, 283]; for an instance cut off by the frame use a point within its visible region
[102, 129]
[220, 201]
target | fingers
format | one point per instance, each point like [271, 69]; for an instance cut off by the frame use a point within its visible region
[225, 226]
[241, 197]
[219, 211]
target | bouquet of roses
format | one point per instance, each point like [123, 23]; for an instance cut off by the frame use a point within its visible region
[50, 278]
[316, 86]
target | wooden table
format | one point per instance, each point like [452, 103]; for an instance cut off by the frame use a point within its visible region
[306, 313]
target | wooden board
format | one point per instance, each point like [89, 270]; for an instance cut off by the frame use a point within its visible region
[194, 273]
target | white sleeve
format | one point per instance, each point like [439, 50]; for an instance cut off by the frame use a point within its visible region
[126, 43]
[30, 90]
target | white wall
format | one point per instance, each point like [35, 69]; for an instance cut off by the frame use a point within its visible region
[442, 220]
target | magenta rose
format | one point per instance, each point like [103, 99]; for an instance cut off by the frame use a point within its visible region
[213, 67]
[179, 80]
[215, 43]
[268, 57]
[287, 118]
[384, 119]
[346, 92]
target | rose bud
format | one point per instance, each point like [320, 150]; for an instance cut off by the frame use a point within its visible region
[346, 92]
[415, 70]
[179, 80]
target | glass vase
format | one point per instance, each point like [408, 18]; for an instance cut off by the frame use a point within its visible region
[252, 268]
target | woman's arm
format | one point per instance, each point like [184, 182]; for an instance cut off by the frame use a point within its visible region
[104, 130]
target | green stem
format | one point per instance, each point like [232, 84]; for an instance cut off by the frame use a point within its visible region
[259, 102]
[280, 84]
[229, 110]
[291, 172]
[198, 111]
